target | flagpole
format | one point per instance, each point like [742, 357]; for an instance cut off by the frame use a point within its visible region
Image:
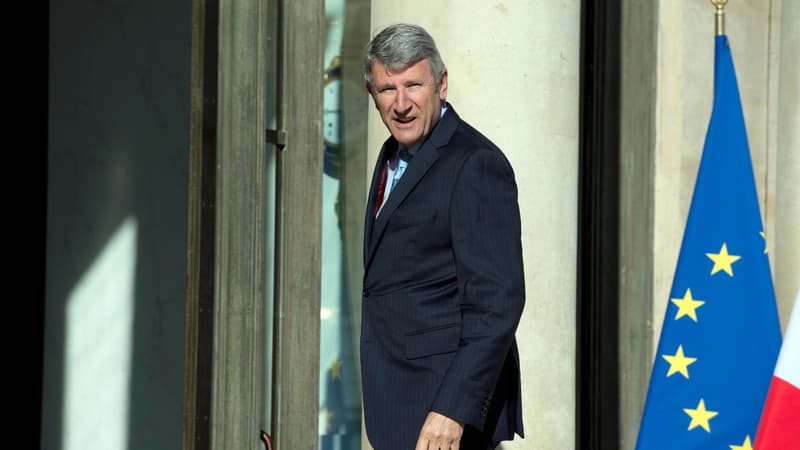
[720, 16]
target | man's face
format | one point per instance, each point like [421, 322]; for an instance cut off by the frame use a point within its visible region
[408, 100]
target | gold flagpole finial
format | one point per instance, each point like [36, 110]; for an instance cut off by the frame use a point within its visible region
[720, 15]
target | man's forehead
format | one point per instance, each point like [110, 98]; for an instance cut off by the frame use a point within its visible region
[380, 68]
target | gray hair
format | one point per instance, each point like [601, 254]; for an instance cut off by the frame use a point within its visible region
[401, 45]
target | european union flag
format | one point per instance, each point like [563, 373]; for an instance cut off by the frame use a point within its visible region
[721, 334]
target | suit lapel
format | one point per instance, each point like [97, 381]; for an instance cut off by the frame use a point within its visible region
[369, 216]
[425, 157]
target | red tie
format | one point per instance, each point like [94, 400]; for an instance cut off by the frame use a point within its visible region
[381, 188]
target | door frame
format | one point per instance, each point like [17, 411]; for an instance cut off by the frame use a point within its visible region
[227, 262]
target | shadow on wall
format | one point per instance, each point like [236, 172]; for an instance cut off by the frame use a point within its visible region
[116, 224]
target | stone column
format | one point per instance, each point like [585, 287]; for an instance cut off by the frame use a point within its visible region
[785, 248]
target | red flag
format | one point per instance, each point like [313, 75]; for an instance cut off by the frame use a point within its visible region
[779, 427]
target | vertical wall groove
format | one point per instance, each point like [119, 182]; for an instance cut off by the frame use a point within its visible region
[597, 427]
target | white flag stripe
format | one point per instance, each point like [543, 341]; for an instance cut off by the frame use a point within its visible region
[788, 367]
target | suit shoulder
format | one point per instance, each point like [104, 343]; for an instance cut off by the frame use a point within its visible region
[467, 143]
[471, 139]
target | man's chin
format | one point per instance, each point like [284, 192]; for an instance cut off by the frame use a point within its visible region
[405, 140]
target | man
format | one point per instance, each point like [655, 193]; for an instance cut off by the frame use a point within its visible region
[443, 282]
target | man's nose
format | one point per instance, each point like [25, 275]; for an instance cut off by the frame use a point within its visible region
[402, 103]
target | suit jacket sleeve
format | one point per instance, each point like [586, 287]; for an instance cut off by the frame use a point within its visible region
[485, 223]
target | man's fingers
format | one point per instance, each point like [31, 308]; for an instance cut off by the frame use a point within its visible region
[426, 444]
[433, 442]
[439, 433]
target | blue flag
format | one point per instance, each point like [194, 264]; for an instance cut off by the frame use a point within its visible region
[721, 334]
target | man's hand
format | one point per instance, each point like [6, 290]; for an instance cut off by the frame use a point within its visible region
[439, 433]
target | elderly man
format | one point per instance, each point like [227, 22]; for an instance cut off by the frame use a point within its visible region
[443, 282]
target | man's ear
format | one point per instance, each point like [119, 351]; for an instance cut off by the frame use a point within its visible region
[443, 86]
[368, 87]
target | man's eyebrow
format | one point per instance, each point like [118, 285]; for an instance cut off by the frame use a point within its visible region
[384, 85]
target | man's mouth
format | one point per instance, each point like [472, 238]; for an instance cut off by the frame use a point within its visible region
[404, 120]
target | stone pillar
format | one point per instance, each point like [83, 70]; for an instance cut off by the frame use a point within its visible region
[785, 248]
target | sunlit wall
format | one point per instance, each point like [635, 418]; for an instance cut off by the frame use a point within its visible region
[98, 342]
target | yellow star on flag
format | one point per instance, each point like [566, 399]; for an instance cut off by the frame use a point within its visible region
[722, 260]
[336, 370]
[679, 363]
[746, 445]
[687, 306]
[700, 416]
[764, 235]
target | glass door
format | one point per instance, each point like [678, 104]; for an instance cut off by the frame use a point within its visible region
[343, 199]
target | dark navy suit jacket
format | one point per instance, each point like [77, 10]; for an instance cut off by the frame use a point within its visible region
[443, 292]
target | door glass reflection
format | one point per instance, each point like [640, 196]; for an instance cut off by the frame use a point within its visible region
[343, 199]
